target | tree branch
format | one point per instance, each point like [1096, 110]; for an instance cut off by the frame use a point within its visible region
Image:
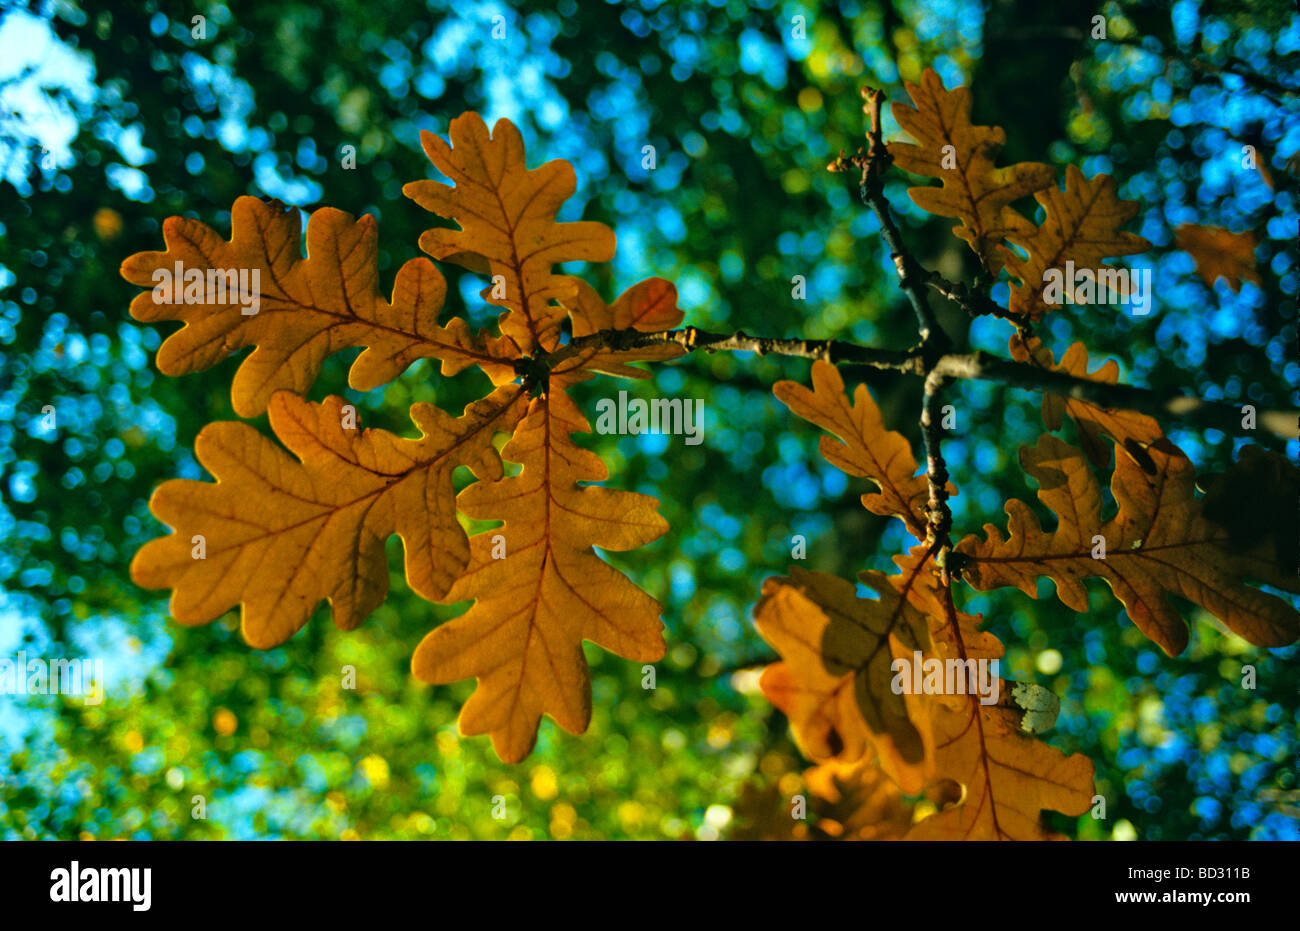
[911, 277]
[690, 339]
[1192, 410]
[938, 514]
[933, 358]
[979, 365]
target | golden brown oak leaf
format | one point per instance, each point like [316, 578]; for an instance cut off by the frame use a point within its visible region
[864, 448]
[280, 534]
[548, 591]
[306, 308]
[834, 678]
[1158, 544]
[1081, 225]
[1220, 254]
[648, 306]
[1008, 778]
[993, 780]
[974, 190]
[507, 223]
[1130, 429]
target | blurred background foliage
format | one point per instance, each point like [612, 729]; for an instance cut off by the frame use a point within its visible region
[115, 116]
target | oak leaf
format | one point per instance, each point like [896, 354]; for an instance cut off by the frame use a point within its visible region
[953, 634]
[857, 801]
[991, 778]
[539, 587]
[280, 534]
[1081, 225]
[835, 683]
[508, 229]
[834, 679]
[961, 154]
[648, 306]
[305, 308]
[1220, 254]
[1132, 430]
[1158, 544]
[864, 447]
[1007, 778]
[837, 802]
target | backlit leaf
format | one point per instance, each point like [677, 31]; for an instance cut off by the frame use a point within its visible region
[1082, 225]
[1158, 544]
[1132, 430]
[539, 587]
[280, 534]
[834, 680]
[1220, 254]
[864, 447]
[307, 308]
[961, 154]
[508, 229]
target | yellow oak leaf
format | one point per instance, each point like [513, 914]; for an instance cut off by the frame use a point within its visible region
[539, 588]
[1130, 429]
[1220, 254]
[648, 306]
[1081, 225]
[834, 680]
[971, 754]
[279, 535]
[992, 779]
[1158, 544]
[961, 154]
[508, 229]
[864, 447]
[257, 290]
[1007, 778]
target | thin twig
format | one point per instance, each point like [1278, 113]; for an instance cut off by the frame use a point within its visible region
[974, 300]
[979, 365]
[691, 339]
[911, 277]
